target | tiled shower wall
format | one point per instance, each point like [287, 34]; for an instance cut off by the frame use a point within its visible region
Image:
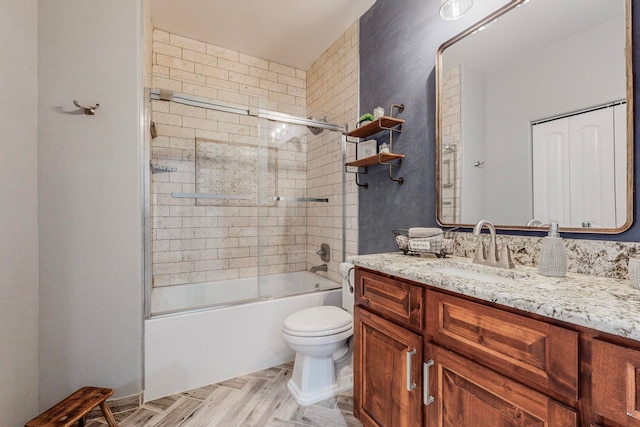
[450, 158]
[332, 89]
[204, 240]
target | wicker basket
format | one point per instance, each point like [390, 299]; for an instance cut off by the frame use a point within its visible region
[436, 244]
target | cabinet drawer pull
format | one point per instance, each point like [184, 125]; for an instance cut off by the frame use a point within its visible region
[410, 384]
[428, 399]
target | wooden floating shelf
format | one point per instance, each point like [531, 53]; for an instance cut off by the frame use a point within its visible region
[375, 160]
[383, 123]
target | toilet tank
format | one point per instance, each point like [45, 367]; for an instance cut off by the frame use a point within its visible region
[348, 286]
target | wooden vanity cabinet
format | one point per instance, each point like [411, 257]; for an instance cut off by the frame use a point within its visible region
[468, 394]
[388, 347]
[615, 385]
[478, 365]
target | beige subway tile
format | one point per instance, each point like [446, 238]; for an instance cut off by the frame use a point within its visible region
[244, 79]
[199, 255]
[211, 71]
[282, 69]
[160, 71]
[200, 58]
[182, 143]
[255, 91]
[243, 262]
[187, 43]
[223, 116]
[165, 153]
[198, 123]
[210, 233]
[160, 106]
[282, 98]
[172, 267]
[160, 280]
[187, 244]
[166, 222]
[200, 221]
[291, 81]
[160, 36]
[301, 74]
[165, 187]
[164, 83]
[248, 272]
[220, 52]
[188, 76]
[187, 110]
[263, 74]
[199, 90]
[253, 61]
[167, 257]
[228, 253]
[213, 135]
[183, 211]
[167, 119]
[273, 86]
[211, 264]
[220, 275]
[222, 84]
[234, 98]
[233, 66]
[167, 49]
[190, 277]
[177, 63]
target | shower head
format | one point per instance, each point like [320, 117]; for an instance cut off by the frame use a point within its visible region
[316, 130]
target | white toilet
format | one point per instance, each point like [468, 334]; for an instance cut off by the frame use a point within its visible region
[320, 336]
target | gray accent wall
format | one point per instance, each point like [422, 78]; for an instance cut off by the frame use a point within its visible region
[399, 40]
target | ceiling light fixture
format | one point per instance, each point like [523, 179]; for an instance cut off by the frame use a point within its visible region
[454, 9]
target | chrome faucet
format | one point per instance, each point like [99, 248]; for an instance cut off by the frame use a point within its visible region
[503, 260]
[317, 268]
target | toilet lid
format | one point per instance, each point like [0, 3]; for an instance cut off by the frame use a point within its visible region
[315, 321]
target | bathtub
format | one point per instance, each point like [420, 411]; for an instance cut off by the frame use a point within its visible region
[237, 334]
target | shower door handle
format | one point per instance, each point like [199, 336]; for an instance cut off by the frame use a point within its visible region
[410, 384]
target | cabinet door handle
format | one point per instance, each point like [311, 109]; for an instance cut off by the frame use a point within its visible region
[428, 399]
[410, 384]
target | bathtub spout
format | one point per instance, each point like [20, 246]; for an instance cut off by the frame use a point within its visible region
[317, 268]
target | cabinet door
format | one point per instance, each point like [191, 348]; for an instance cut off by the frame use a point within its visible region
[395, 299]
[540, 355]
[387, 370]
[615, 383]
[469, 395]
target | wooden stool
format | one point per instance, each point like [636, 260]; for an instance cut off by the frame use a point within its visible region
[75, 408]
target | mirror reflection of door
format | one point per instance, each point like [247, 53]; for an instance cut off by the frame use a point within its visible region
[577, 161]
[541, 59]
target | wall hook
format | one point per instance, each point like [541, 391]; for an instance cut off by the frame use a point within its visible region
[90, 111]
[478, 164]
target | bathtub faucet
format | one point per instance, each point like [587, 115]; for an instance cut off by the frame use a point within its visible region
[317, 268]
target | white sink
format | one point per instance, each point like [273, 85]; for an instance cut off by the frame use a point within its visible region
[473, 275]
[478, 272]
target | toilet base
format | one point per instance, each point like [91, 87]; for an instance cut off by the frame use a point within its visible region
[314, 379]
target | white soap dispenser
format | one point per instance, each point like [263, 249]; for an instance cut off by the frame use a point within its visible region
[553, 257]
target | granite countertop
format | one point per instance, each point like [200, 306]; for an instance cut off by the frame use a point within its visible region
[603, 304]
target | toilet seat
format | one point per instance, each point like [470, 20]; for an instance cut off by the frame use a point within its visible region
[318, 322]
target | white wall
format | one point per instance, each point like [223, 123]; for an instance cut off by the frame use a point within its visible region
[18, 212]
[90, 205]
[593, 74]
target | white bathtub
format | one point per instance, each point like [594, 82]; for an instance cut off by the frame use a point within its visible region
[189, 350]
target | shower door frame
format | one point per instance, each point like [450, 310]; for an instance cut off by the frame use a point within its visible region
[167, 95]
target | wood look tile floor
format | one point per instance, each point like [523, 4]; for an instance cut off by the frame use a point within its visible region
[260, 399]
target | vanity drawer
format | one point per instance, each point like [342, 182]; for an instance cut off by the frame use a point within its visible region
[536, 353]
[395, 299]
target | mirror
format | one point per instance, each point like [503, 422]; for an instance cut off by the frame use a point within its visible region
[534, 118]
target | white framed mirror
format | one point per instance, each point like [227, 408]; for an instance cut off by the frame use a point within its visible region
[535, 118]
